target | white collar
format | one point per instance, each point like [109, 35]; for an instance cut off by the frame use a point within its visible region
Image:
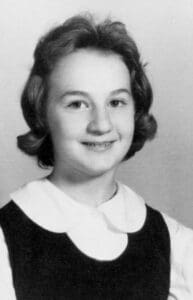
[55, 211]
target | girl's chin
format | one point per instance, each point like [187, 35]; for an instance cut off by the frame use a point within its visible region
[85, 167]
[99, 170]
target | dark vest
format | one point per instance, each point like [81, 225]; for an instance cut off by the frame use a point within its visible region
[48, 266]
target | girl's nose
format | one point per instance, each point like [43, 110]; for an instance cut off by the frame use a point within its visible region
[100, 122]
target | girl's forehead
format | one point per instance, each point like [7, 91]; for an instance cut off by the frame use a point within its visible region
[88, 68]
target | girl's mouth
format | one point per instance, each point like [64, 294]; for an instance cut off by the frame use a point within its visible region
[98, 146]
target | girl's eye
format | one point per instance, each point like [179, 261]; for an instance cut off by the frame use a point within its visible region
[117, 103]
[78, 104]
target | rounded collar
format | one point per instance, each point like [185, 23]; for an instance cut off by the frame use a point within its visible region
[54, 210]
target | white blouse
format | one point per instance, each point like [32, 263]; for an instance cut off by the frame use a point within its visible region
[99, 232]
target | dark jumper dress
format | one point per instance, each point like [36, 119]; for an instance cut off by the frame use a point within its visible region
[48, 266]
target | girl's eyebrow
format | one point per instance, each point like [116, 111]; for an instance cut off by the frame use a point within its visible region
[119, 91]
[85, 94]
[75, 93]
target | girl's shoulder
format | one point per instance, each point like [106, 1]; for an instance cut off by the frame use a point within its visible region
[6, 282]
[181, 240]
[181, 236]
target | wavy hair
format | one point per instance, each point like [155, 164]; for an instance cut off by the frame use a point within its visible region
[81, 32]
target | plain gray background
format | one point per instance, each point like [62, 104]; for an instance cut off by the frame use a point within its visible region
[162, 172]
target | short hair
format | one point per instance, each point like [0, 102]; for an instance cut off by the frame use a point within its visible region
[78, 32]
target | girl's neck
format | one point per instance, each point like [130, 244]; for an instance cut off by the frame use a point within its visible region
[91, 191]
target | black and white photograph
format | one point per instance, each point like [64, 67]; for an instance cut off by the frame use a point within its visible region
[96, 156]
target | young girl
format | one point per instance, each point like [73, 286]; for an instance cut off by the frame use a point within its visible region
[79, 233]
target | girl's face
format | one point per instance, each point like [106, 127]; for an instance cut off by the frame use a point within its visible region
[90, 113]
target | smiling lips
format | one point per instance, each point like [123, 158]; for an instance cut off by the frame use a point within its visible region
[98, 146]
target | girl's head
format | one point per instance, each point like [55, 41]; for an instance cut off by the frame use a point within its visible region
[77, 34]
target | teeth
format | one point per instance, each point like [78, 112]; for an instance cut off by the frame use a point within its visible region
[99, 146]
